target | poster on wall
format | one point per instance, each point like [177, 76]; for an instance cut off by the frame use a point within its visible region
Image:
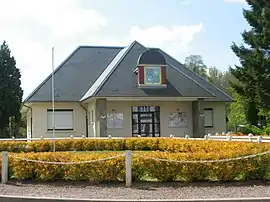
[178, 120]
[118, 120]
[115, 120]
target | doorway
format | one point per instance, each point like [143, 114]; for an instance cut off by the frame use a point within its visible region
[145, 121]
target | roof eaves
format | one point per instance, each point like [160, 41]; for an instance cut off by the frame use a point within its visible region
[27, 99]
[201, 78]
[107, 72]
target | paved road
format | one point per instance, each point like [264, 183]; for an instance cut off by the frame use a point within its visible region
[35, 199]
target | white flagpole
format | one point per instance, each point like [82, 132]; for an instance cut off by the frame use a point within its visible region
[53, 120]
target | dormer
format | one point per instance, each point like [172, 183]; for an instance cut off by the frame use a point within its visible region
[151, 70]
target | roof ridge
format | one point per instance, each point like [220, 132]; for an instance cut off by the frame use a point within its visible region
[107, 72]
[50, 75]
[97, 46]
[199, 76]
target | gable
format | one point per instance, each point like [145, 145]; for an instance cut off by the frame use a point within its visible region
[123, 81]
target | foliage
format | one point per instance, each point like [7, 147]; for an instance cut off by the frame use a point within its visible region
[148, 169]
[141, 144]
[236, 111]
[253, 84]
[255, 130]
[110, 170]
[195, 64]
[10, 89]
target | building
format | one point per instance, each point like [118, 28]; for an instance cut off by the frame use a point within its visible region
[124, 92]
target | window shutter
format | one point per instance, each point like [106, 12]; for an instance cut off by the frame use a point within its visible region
[163, 75]
[63, 120]
[141, 75]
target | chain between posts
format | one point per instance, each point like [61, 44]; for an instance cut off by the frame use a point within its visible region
[65, 163]
[204, 161]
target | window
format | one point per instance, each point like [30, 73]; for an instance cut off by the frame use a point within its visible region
[115, 120]
[152, 75]
[63, 119]
[208, 117]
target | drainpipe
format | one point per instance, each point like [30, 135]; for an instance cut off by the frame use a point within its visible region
[31, 120]
[86, 119]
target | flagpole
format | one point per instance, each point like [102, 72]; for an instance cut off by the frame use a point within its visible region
[53, 118]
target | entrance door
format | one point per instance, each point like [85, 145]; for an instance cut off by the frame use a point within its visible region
[146, 121]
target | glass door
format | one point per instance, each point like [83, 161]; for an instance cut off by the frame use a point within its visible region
[146, 121]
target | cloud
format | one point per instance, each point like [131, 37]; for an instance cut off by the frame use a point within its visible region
[172, 39]
[33, 27]
[235, 1]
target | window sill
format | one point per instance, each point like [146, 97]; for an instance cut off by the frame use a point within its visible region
[208, 126]
[62, 131]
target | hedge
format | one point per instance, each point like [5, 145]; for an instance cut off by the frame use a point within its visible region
[148, 144]
[143, 169]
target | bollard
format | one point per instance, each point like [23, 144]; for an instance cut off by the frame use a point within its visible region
[109, 136]
[171, 135]
[71, 136]
[206, 137]
[128, 155]
[4, 176]
[186, 136]
[229, 137]
[216, 134]
[259, 139]
[41, 137]
[250, 135]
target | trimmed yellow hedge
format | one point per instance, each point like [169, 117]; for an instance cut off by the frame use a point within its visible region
[143, 169]
[149, 144]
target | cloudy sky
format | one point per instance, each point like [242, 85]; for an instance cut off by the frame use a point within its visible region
[180, 27]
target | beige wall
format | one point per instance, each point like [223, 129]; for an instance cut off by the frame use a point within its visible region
[219, 117]
[165, 109]
[39, 113]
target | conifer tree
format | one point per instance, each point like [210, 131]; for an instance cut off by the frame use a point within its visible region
[253, 73]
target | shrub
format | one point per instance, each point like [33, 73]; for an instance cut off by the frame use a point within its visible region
[246, 169]
[110, 170]
[143, 168]
[147, 144]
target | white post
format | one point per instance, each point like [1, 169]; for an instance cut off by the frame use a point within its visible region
[4, 174]
[128, 168]
[53, 120]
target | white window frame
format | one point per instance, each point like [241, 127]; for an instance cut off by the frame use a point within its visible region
[58, 120]
[206, 112]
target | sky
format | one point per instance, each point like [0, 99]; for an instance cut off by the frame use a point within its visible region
[180, 27]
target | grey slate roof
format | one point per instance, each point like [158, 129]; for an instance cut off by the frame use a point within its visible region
[108, 71]
[76, 74]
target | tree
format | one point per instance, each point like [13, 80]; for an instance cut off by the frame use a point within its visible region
[10, 89]
[253, 73]
[195, 64]
[236, 111]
